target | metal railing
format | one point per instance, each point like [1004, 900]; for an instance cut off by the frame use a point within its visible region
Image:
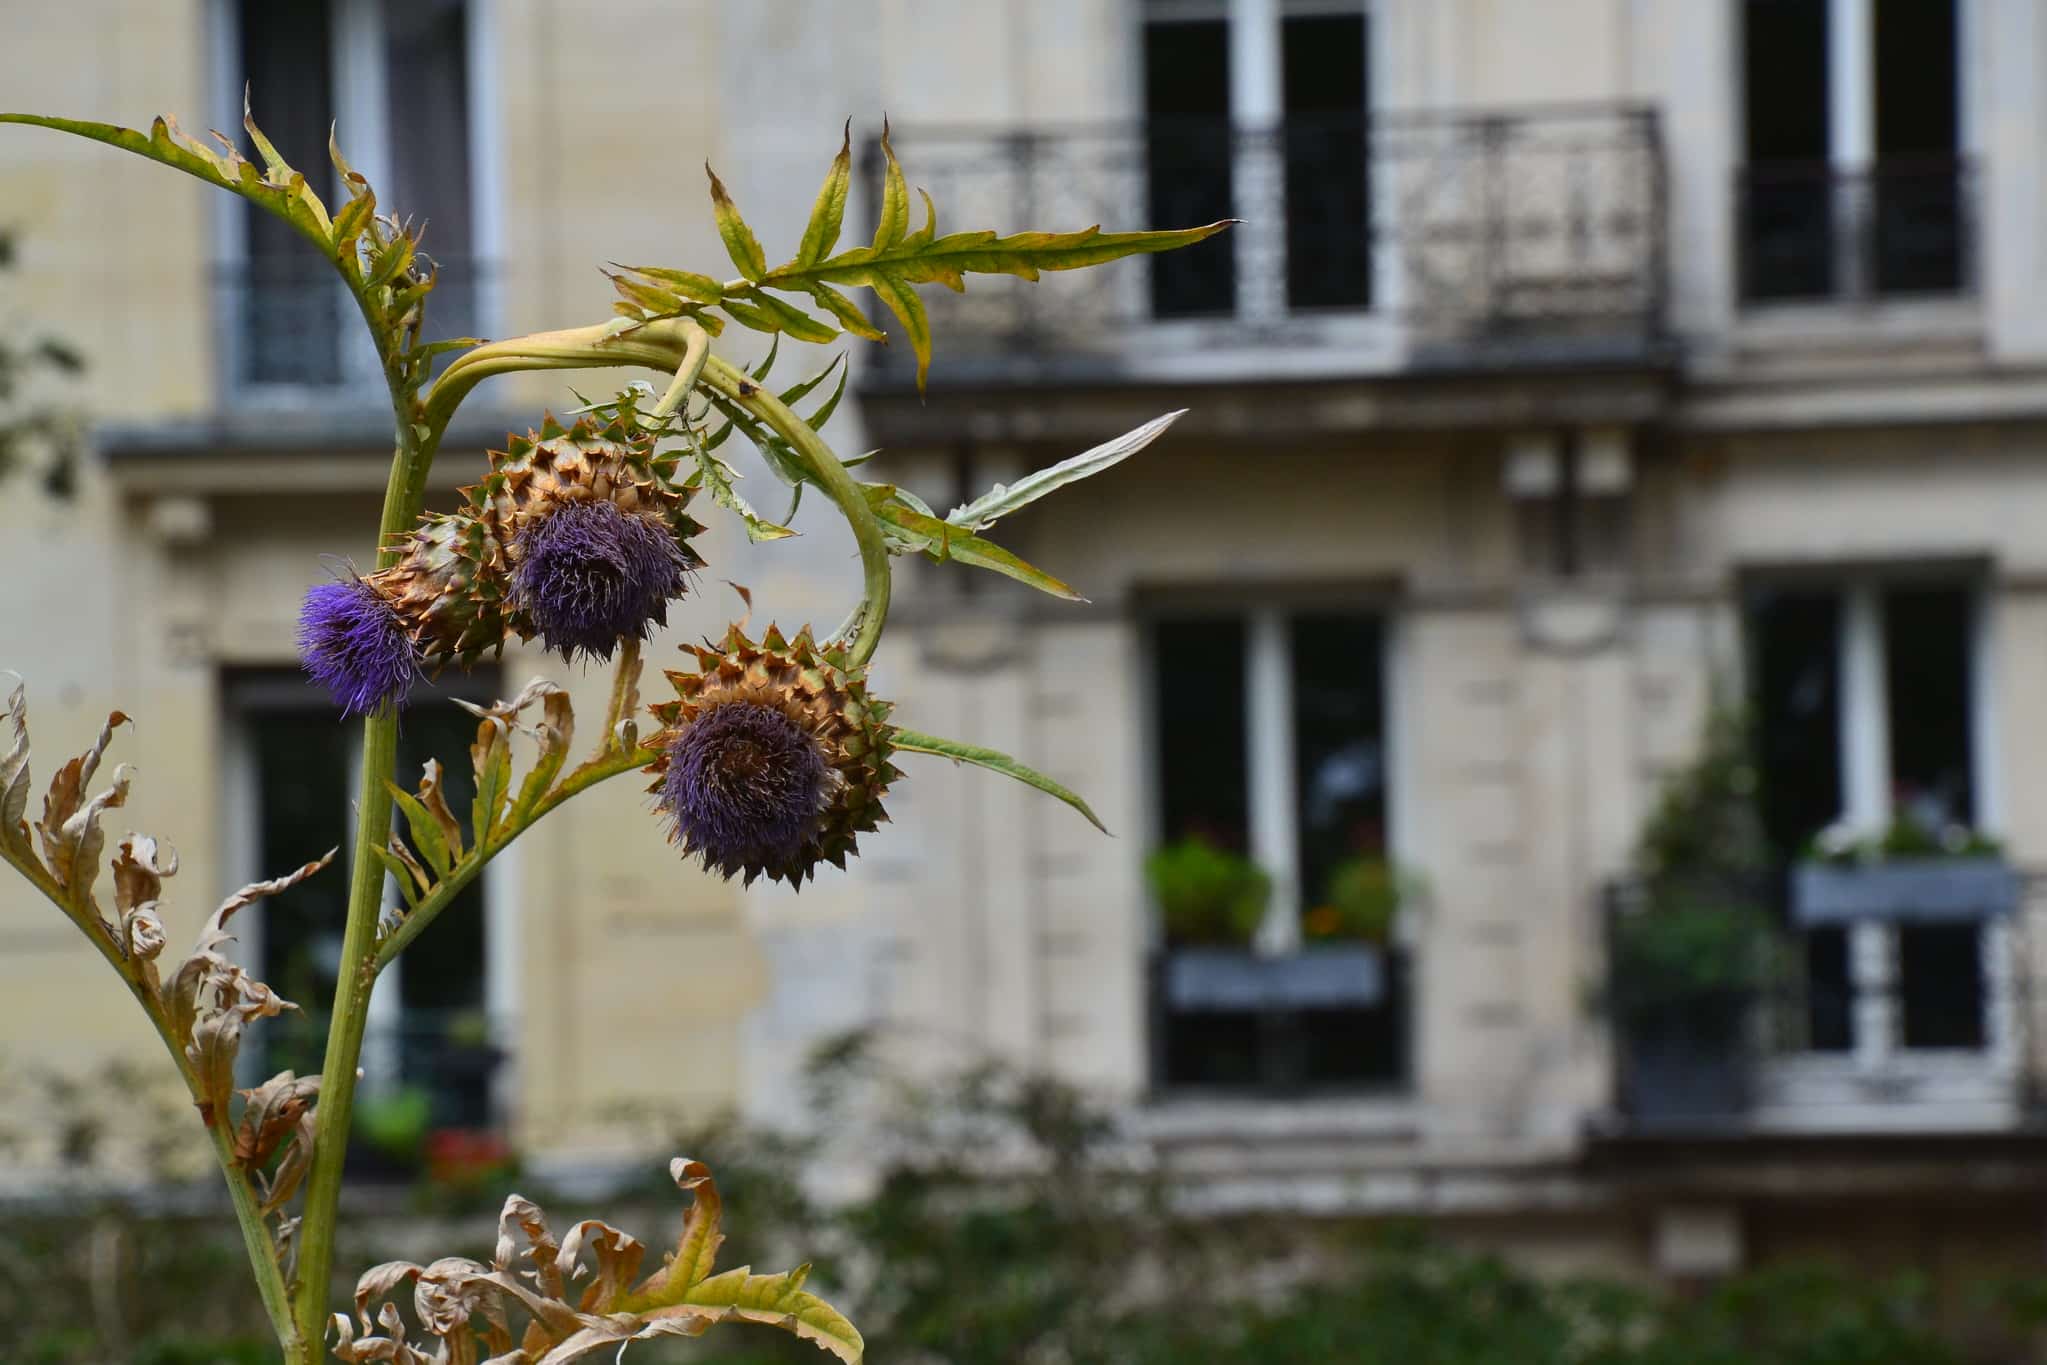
[1814, 232]
[1515, 229]
[288, 329]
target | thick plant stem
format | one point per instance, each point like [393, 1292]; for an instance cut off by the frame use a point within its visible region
[358, 973]
[824, 467]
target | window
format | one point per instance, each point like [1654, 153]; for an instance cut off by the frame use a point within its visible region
[1237, 112]
[394, 75]
[1852, 123]
[1270, 740]
[296, 782]
[1869, 710]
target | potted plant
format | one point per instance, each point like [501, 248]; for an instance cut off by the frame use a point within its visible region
[1207, 895]
[1364, 894]
[390, 1134]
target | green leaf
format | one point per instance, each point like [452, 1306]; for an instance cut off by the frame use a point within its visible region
[740, 244]
[827, 408]
[491, 756]
[427, 833]
[760, 371]
[821, 234]
[941, 540]
[894, 219]
[999, 501]
[167, 145]
[784, 317]
[717, 476]
[692, 286]
[404, 873]
[796, 391]
[850, 317]
[917, 743]
[902, 300]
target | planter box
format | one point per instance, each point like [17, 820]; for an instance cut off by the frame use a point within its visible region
[1681, 1083]
[1953, 889]
[1352, 977]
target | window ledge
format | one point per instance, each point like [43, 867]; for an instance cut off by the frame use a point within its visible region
[1183, 1119]
[1864, 325]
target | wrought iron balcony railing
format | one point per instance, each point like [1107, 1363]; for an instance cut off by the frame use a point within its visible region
[1536, 233]
[288, 328]
[1814, 232]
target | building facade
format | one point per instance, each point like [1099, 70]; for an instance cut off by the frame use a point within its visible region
[1575, 365]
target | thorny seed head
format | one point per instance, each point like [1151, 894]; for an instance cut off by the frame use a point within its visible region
[590, 574]
[745, 785]
[352, 642]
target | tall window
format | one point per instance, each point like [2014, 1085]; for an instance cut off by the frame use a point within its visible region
[391, 76]
[1271, 741]
[429, 1025]
[1268, 123]
[1854, 183]
[1868, 710]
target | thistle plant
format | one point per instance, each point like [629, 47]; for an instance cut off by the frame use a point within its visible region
[771, 759]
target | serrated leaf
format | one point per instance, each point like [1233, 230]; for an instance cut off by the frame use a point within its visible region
[821, 234]
[784, 317]
[167, 145]
[918, 743]
[900, 299]
[715, 475]
[491, 756]
[406, 871]
[740, 244]
[999, 502]
[790, 395]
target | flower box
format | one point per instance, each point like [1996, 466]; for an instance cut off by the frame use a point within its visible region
[1351, 976]
[1953, 889]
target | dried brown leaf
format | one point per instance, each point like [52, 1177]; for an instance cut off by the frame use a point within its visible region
[269, 1112]
[69, 829]
[292, 1167]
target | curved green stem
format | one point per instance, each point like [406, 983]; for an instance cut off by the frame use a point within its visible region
[839, 485]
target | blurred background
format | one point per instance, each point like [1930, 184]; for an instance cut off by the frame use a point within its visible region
[1561, 694]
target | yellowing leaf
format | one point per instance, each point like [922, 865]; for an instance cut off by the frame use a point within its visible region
[821, 234]
[740, 244]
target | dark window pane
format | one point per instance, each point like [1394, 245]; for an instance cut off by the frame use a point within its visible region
[1202, 761]
[1940, 985]
[1339, 744]
[1917, 75]
[1327, 171]
[1787, 221]
[427, 77]
[1213, 1049]
[1927, 673]
[1794, 639]
[1829, 995]
[290, 306]
[1189, 147]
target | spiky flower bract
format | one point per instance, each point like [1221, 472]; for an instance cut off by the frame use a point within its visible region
[773, 758]
[447, 588]
[352, 642]
[593, 533]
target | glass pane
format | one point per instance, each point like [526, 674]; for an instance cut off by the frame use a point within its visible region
[1829, 992]
[1189, 146]
[1327, 184]
[289, 307]
[1795, 665]
[1927, 673]
[1940, 985]
[1339, 744]
[427, 77]
[1787, 218]
[1203, 773]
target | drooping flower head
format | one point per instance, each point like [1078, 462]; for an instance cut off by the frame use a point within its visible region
[369, 638]
[772, 759]
[594, 534]
[353, 643]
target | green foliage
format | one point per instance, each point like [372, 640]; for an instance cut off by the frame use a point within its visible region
[1365, 893]
[892, 265]
[1707, 828]
[395, 1125]
[1907, 836]
[1207, 894]
[914, 742]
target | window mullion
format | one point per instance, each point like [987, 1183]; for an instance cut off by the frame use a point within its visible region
[1275, 831]
[1865, 710]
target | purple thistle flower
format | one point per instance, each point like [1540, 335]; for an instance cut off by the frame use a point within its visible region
[352, 643]
[590, 575]
[745, 786]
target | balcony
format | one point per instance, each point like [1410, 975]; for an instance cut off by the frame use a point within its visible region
[1902, 230]
[289, 334]
[1511, 240]
[1891, 999]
